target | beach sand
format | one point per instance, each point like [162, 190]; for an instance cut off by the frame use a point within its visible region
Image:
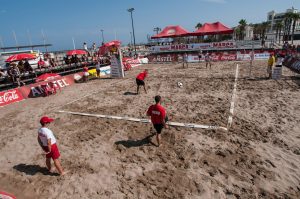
[259, 157]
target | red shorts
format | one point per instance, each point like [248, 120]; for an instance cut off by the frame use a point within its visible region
[54, 154]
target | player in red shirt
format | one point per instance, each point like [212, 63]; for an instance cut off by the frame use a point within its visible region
[85, 73]
[140, 80]
[158, 117]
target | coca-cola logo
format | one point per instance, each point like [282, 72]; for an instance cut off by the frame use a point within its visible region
[9, 96]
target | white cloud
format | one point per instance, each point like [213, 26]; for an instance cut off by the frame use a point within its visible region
[215, 1]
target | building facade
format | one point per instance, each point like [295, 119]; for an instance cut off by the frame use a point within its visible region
[274, 17]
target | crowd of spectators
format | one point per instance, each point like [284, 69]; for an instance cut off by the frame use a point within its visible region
[16, 72]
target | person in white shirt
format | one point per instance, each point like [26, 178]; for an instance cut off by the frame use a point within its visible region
[47, 142]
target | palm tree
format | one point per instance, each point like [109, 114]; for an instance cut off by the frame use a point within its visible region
[156, 29]
[295, 17]
[199, 25]
[278, 27]
[264, 26]
[242, 26]
[288, 18]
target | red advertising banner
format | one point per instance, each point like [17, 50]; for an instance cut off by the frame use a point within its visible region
[10, 96]
[36, 90]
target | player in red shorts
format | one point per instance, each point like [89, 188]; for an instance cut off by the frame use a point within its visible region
[47, 141]
[140, 80]
[158, 117]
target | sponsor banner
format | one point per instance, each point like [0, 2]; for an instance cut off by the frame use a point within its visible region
[131, 63]
[292, 63]
[219, 56]
[103, 71]
[163, 58]
[214, 57]
[36, 90]
[196, 46]
[10, 96]
[117, 67]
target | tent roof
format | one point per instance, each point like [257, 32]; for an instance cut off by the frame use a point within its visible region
[171, 31]
[212, 29]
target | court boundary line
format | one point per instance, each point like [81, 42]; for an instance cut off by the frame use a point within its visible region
[178, 124]
[232, 103]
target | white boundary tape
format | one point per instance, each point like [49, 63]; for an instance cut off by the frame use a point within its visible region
[230, 118]
[187, 125]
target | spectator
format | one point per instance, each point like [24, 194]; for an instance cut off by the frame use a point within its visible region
[98, 65]
[21, 66]
[41, 64]
[85, 74]
[28, 68]
[10, 72]
[47, 63]
[85, 46]
[67, 60]
[94, 47]
[52, 63]
[17, 75]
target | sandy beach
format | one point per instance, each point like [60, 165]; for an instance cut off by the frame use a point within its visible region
[258, 157]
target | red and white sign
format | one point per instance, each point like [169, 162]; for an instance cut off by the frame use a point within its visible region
[131, 63]
[36, 90]
[196, 46]
[163, 58]
[10, 96]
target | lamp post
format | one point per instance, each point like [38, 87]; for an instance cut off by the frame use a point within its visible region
[130, 39]
[131, 10]
[102, 37]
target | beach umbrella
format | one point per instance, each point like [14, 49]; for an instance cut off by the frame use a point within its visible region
[76, 52]
[47, 77]
[19, 57]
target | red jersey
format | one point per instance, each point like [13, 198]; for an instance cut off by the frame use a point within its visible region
[157, 113]
[142, 76]
[85, 69]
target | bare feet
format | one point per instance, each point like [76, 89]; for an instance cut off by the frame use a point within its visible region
[64, 173]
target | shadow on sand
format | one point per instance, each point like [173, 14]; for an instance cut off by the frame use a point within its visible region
[130, 93]
[33, 170]
[136, 143]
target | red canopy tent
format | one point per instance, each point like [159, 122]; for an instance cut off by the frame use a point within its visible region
[171, 31]
[216, 28]
[106, 47]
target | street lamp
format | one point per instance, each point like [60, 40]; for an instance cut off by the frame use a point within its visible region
[102, 37]
[131, 10]
[130, 39]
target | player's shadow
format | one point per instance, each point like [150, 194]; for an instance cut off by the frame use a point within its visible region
[33, 170]
[136, 143]
[130, 93]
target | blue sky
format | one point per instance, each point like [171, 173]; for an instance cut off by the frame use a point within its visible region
[61, 20]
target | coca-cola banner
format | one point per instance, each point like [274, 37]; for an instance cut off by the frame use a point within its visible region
[36, 90]
[10, 96]
[292, 63]
[196, 46]
[213, 56]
